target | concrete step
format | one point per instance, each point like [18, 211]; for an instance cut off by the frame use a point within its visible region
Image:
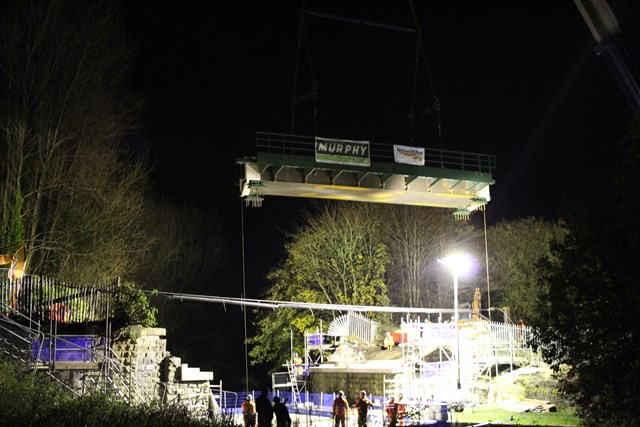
[194, 374]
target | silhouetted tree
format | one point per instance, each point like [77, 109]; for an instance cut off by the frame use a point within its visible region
[416, 237]
[65, 110]
[591, 333]
[187, 250]
[516, 249]
[336, 257]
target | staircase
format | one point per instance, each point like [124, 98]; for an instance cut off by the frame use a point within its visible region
[23, 341]
[429, 356]
[16, 341]
[288, 380]
[24, 344]
[293, 379]
[88, 363]
[115, 378]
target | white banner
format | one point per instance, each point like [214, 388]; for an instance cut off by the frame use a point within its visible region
[408, 155]
[342, 152]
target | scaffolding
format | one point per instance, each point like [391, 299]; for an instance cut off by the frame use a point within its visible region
[42, 321]
[293, 380]
[430, 364]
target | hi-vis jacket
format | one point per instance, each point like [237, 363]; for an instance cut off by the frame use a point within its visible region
[340, 406]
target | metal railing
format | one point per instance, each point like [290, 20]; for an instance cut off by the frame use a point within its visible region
[42, 299]
[117, 378]
[354, 324]
[22, 338]
[24, 302]
[285, 144]
[17, 340]
[225, 401]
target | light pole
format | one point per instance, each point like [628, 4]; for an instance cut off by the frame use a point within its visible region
[458, 264]
[456, 318]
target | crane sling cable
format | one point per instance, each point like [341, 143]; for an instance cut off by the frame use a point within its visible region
[302, 36]
[313, 90]
[420, 53]
[244, 311]
[275, 304]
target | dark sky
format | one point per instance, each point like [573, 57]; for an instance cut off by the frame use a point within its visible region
[516, 79]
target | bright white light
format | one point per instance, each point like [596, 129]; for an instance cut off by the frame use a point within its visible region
[460, 264]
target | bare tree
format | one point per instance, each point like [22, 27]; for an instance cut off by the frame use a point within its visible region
[188, 251]
[65, 110]
[517, 248]
[335, 257]
[416, 237]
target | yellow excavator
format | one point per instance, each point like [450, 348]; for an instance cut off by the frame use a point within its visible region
[18, 261]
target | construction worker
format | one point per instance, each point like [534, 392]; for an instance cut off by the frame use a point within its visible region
[388, 341]
[392, 411]
[265, 409]
[363, 404]
[249, 411]
[297, 362]
[339, 410]
[520, 330]
[401, 409]
[283, 419]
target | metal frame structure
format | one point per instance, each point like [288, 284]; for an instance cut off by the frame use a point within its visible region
[287, 165]
[485, 346]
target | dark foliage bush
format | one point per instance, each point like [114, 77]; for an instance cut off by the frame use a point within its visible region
[34, 399]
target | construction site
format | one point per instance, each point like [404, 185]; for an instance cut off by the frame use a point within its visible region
[439, 358]
[433, 367]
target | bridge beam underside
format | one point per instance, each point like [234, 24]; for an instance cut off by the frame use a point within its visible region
[418, 186]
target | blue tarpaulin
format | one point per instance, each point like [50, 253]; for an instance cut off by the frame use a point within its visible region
[63, 349]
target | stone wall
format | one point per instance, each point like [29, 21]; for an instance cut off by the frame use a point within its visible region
[352, 380]
[143, 350]
[139, 369]
[161, 376]
[179, 385]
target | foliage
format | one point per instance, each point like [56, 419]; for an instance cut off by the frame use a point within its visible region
[75, 176]
[484, 414]
[13, 233]
[336, 257]
[591, 333]
[132, 307]
[65, 111]
[22, 395]
[187, 251]
[272, 342]
[515, 250]
[339, 254]
[74, 183]
[416, 237]
[33, 399]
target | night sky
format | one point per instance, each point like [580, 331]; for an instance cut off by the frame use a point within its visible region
[519, 80]
[516, 79]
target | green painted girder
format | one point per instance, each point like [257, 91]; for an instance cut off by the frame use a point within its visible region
[286, 166]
